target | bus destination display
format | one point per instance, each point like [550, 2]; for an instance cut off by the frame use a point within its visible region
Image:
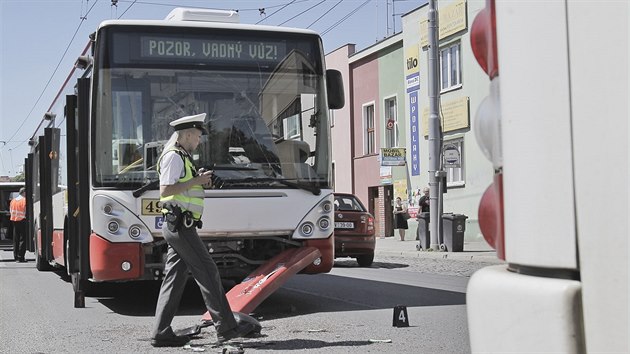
[210, 49]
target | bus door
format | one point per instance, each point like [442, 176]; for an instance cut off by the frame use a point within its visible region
[48, 177]
[78, 222]
[29, 184]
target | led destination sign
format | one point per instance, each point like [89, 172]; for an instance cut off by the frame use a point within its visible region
[198, 49]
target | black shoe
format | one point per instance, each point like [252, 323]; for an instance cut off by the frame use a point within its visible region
[169, 340]
[241, 330]
[22, 260]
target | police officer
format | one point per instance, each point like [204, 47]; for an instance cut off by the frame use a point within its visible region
[17, 209]
[182, 194]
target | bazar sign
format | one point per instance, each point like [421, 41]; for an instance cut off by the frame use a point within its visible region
[393, 156]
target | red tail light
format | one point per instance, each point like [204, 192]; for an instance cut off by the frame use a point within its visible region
[483, 40]
[491, 216]
[370, 224]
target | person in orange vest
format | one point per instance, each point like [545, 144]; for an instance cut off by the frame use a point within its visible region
[18, 219]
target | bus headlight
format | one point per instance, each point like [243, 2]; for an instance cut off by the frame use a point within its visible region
[323, 223]
[135, 231]
[307, 229]
[113, 226]
[108, 209]
[327, 206]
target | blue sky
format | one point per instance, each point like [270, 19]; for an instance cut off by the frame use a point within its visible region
[34, 34]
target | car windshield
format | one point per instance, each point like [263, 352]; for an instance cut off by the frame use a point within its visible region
[348, 203]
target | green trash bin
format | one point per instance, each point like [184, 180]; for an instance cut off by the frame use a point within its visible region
[454, 226]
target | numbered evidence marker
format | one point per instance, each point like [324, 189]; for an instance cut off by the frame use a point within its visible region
[400, 316]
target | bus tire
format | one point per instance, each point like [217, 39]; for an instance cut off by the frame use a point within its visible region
[40, 263]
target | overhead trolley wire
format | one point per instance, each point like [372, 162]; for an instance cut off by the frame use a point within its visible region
[72, 72]
[345, 17]
[275, 12]
[325, 13]
[83, 18]
[303, 12]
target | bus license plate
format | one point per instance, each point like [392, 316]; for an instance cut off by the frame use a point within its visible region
[344, 225]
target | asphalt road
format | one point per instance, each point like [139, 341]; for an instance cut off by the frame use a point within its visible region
[349, 310]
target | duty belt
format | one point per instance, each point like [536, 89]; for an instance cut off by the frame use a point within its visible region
[177, 219]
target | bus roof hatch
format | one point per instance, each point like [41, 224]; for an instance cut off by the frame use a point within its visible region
[203, 15]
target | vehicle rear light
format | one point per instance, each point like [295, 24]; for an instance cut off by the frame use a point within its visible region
[487, 126]
[483, 40]
[370, 224]
[490, 216]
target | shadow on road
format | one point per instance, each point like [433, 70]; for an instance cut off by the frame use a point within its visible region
[292, 344]
[306, 294]
[139, 298]
[303, 294]
[352, 263]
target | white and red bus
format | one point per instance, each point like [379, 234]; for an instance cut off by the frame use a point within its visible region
[267, 95]
[555, 126]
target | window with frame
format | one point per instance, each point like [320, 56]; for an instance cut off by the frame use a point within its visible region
[450, 66]
[369, 145]
[291, 126]
[455, 173]
[391, 123]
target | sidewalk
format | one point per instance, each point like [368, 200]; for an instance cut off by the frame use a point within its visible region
[477, 251]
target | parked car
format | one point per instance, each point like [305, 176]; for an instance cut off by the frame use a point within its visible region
[354, 230]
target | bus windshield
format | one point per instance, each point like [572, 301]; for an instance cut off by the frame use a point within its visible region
[267, 118]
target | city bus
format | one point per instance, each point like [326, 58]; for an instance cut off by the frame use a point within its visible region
[267, 95]
[555, 127]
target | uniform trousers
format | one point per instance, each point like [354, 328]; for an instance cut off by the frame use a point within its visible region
[19, 238]
[187, 252]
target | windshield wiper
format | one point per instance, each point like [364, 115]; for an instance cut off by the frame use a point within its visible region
[285, 181]
[150, 185]
[232, 168]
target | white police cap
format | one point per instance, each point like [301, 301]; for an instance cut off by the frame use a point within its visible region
[195, 121]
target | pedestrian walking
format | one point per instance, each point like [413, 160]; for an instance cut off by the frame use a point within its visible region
[182, 195]
[17, 208]
[400, 218]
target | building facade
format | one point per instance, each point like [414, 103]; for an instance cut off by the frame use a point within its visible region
[388, 106]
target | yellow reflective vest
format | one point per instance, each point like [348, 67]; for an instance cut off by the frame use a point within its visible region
[193, 198]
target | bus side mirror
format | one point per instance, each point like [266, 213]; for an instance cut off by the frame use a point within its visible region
[334, 86]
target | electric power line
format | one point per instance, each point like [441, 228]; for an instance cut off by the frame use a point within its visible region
[83, 18]
[345, 18]
[301, 13]
[127, 9]
[325, 13]
[275, 12]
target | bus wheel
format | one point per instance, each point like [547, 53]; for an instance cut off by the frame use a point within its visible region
[40, 263]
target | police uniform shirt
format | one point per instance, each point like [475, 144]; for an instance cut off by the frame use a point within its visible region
[171, 168]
